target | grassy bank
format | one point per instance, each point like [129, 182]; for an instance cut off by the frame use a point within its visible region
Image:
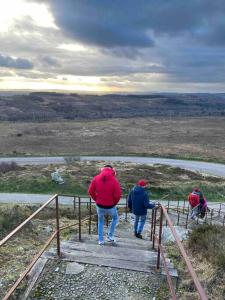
[165, 181]
[205, 248]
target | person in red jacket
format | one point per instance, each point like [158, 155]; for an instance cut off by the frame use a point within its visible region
[198, 203]
[105, 190]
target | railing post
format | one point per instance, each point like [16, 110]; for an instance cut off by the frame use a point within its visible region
[220, 209]
[168, 206]
[74, 206]
[107, 221]
[184, 204]
[90, 212]
[211, 216]
[154, 228]
[160, 236]
[57, 224]
[187, 216]
[79, 217]
[152, 220]
[126, 209]
[178, 204]
[178, 217]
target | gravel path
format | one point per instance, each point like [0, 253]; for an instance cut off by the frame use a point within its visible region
[94, 282]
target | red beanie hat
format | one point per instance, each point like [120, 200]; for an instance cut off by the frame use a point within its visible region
[142, 182]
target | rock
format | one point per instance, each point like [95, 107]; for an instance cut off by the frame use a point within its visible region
[74, 268]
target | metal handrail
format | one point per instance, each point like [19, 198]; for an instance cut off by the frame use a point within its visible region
[55, 234]
[163, 212]
[58, 229]
[18, 228]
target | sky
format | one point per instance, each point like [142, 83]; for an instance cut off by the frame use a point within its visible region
[110, 46]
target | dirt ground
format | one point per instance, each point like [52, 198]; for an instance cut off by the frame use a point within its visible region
[199, 138]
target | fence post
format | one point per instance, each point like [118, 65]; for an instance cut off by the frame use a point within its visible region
[168, 206]
[160, 236]
[187, 216]
[178, 217]
[184, 204]
[126, 210]
[211, 216]
[57, 224]
[152, 220]
[220, 209]
[79, 208]
[74, 206]
[154, 228]
[90, 212]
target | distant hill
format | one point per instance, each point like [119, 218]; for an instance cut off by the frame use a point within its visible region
[50, 106]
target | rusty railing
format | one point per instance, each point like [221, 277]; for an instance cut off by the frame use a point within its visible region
[56, 233]
[161, 253]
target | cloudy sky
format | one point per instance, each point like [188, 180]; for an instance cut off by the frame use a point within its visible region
[113, 46]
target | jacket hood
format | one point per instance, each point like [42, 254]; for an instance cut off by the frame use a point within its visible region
[138, 190]
[107, 173]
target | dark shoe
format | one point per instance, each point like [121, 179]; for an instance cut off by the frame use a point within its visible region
[139, 236]
[135, 233]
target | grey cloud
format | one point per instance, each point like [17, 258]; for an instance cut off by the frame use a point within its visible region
[50, 61]
[131, 23]
[15, 63]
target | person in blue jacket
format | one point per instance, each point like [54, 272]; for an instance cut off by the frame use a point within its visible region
[138, 203]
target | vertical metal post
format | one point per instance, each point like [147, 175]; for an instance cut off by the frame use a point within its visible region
[187, 216]
[160, 236]
[90, 213]
[168, 206]
[107, 221]
[219, 209]
[154, 228]
[74, 206]
[178, 217]
[184, 205]
[223, 220]
[178, 205]
[79, 209]
[152, 220]
[211, 216]
[126, 209]
[57, 224]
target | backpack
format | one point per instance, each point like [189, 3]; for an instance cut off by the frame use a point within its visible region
[194, 199]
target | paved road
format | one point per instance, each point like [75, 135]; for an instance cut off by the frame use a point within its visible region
[41, 199]
[203, 167]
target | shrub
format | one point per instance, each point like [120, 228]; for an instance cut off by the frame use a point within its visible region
[7, 167]
[209, 242]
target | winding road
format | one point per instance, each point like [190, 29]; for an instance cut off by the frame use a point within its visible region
[202, 167]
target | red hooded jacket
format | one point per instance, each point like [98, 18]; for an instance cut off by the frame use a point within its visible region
[105, 189]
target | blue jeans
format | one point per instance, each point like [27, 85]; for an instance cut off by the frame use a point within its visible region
[102, 212]
[139, 223]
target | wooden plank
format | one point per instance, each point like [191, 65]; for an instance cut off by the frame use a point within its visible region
[107, 262]
[83, 249]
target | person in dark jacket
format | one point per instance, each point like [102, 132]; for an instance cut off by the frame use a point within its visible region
[106, 192]
[138, 203]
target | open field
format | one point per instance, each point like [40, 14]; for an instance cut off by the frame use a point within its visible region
[190, 138]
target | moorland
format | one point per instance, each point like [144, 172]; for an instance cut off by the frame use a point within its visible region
[190, 126]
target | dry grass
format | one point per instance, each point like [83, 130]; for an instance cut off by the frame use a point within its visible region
[201, 138]
[164, 180]
[205, 248]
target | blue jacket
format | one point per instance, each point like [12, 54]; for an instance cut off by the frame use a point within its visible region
[138, 201]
